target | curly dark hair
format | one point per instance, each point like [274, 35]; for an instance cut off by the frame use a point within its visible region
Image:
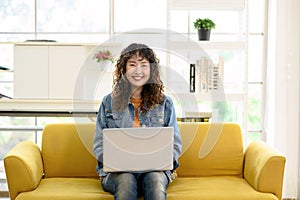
[152, 92]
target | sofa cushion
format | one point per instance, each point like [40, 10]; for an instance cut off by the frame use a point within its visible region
[211, 149]
[67, 150]
[67, 189]
[215, 187]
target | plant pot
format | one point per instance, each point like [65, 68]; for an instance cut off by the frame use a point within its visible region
[203, 34]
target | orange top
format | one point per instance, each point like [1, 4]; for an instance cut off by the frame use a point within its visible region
[137, 104]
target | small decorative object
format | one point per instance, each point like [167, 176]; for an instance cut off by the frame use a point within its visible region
[204, 27]
[104, 58]
[104, 55]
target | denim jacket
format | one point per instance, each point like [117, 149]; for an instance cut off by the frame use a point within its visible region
[158, 116]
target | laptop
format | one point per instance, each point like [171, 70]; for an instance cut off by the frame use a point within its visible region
[138, 149]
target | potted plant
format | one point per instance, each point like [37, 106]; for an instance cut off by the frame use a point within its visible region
[204, 26]
[105, 58]
[104, 55]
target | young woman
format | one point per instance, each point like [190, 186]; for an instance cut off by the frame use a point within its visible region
[137, 100]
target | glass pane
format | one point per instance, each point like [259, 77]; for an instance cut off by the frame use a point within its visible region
[232, 72]
[76, 118]
[179, 21]
[6, 76]
[254, 106]
[6, 89]
[42, 121]
[39, 136]
[228, 111]
[73, 16]
[7, 57]
[17, 121]
[179, 74]
[184, 102]
[221, 111]
[8, 139]
[221, 19]
[256, 16]
[140, 14]
[255, 58]
[253, 136]
[17, 16]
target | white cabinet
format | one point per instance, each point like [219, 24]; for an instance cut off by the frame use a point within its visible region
[64, 67]
[48, 71]
[31, 72]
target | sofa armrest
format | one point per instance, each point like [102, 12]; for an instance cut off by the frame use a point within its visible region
[264, 168]
[23, 167]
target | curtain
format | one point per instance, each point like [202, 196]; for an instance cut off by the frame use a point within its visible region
[282, 87]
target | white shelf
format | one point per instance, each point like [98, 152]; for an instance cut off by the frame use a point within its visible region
[212, 97]
[35, 105]
[207, 45]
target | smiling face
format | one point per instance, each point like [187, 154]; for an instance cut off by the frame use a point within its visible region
[137, 72]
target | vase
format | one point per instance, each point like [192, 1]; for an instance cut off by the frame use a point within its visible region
[105, 65]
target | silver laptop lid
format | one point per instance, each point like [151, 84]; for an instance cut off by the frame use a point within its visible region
[138, 149]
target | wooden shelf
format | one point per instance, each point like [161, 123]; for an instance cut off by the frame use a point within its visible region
[31, 105]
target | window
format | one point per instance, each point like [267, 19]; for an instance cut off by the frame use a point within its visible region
[17, 16]
[143, 14]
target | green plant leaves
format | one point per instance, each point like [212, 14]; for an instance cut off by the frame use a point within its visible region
[204, 23]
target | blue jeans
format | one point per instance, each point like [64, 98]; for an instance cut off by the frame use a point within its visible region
[125, 185]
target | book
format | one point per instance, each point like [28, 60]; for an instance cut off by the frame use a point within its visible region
[192, 119]
[196, 117]
[204, 71]
[192, 77]
[208, 75]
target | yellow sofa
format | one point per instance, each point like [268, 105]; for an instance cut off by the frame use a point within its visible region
[214, 166]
